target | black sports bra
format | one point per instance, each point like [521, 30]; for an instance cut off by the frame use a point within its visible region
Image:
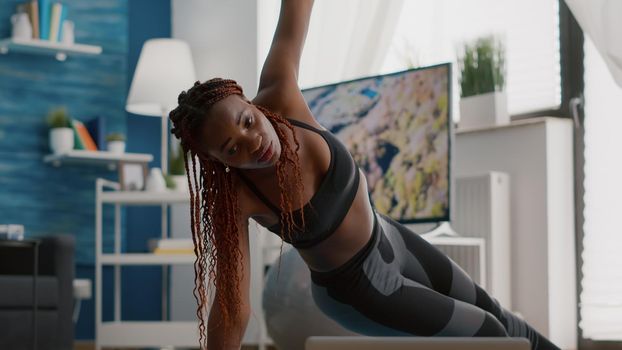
[331, 202]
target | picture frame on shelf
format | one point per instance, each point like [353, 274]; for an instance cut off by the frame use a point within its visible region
[132, 176]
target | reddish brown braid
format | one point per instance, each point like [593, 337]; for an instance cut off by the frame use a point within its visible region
[214, 205]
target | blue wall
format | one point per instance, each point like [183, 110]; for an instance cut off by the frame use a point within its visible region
[142, 285]
[50, 200]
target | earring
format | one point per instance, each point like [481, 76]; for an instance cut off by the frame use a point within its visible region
[227, 169]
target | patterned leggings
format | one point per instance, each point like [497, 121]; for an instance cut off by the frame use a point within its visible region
[401, 285]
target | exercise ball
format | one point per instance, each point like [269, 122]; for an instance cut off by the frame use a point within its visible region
[290, 313]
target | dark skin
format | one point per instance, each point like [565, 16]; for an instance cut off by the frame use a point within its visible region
[236, 133]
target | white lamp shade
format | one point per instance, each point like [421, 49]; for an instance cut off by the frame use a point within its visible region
[164, 70]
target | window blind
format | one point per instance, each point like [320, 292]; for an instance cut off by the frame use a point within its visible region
[430, 32]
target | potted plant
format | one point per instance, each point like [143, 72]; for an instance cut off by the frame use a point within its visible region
[116, 142]
[61, 133]
[483, 99]
[177, 169]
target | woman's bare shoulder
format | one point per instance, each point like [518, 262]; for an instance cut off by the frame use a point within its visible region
[286, 100]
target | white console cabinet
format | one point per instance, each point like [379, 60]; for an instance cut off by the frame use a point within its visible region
[537, 154]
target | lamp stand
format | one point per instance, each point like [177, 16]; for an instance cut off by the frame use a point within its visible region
[164, 208]
[164, 142]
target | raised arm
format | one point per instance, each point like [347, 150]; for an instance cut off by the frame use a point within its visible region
[283, 61]
[215, 336]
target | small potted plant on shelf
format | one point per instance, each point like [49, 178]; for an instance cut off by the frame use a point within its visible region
[177, 178]
[116, 142]
[61, 133]
[483, 99]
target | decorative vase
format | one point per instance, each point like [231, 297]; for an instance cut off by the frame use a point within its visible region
[68, 37]
[155, 181]
[484, 110]
[61, 140]
[22, 30]
[117, 147]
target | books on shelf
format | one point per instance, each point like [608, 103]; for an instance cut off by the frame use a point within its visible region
[56, 21]
[82, 138]
[46, 18]
[171, 246]
[97, 129]
[12, 232]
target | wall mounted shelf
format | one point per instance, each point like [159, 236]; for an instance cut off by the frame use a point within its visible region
[106, 158]
[46, 47]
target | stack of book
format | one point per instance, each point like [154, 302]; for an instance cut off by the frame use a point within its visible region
[82, 137]
[89, 135]
[171, 246]
[46, 18]
[12, 232]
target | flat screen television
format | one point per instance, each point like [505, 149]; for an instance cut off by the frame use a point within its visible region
[398, 129]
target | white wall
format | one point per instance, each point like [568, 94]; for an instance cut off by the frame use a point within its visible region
[222, 36]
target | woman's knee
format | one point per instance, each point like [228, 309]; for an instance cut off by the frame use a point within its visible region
[491, 327]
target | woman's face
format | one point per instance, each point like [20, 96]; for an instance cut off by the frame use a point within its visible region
[239, 135]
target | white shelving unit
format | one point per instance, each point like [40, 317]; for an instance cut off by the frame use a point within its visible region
[109, 159]
[46, 47]
[120, 333]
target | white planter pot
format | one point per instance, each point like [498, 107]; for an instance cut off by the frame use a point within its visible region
[484, 110]
[61, 140]
[155, 181]
[181, 183]
[117, 147]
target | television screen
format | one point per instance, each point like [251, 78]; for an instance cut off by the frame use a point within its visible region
[397, 128]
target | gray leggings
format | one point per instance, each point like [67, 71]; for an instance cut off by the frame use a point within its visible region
[400, 285]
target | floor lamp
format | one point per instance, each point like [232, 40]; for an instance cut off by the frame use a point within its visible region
[164, 69]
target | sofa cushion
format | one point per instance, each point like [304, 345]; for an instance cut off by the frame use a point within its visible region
[16, 291]
[16, 330]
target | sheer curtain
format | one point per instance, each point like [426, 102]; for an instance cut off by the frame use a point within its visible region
[347, 39]
[601, 297]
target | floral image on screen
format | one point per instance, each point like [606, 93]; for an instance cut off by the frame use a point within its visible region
[397, 129]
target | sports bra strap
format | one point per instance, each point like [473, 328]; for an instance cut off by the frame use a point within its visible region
[258, 193]
[303, 125]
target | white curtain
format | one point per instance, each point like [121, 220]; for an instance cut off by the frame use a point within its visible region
[347, 39]
[601, 20]
[601, 297]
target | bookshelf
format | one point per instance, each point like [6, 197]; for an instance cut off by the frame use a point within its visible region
[129, 333]
[105, 158]
[46, 47]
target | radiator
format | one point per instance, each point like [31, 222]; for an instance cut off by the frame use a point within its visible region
[468, 252]
[482, 210]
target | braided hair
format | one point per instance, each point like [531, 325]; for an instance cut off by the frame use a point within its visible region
[214, 205]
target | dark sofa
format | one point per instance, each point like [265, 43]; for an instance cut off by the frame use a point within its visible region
[54, 294]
